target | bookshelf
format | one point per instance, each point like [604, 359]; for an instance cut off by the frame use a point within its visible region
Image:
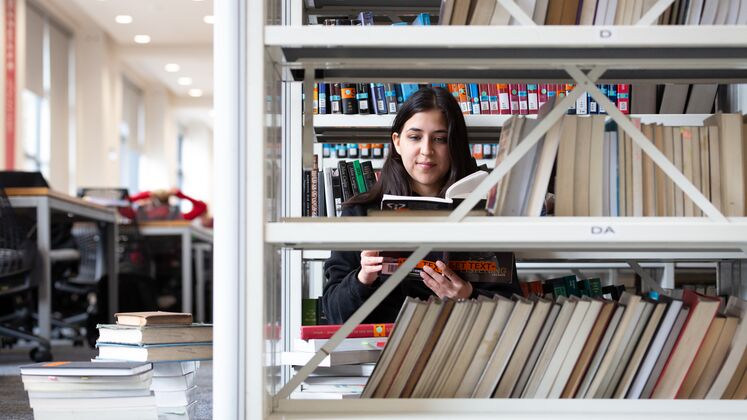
[278, 53]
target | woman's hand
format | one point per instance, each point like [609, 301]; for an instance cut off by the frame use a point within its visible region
[370, 266]
[446, 285]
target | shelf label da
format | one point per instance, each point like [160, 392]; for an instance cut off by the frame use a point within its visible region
[602, 230]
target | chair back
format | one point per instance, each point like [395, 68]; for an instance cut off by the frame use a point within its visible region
[17, 248]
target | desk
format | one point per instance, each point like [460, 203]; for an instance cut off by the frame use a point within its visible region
[48, 203]
[185, 230]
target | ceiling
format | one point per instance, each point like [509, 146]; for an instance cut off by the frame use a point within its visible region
[178, 35]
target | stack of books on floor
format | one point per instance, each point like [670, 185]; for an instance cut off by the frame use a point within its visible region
[345, 371]
[90, 391]
[172, 343]
[686, 346]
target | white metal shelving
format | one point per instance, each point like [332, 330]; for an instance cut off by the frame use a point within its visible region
[440, 54]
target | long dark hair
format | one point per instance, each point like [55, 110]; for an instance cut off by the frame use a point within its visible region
[394, 177]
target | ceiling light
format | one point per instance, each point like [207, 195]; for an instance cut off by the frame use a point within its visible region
[171, 67]
[209, 19]
[195, 93]
[184, 81]
[142, 39]
[123, 19]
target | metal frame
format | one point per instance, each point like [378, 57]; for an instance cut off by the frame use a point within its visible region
[44, 206]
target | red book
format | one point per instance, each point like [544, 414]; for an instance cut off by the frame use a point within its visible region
[361, 331]
[484, 98]
[523, 99]
[504, 99]
[702, 311]
[532, 99]
[623, 98]
[493, 96]
[559, 90]
[542, 97]
[513, 97]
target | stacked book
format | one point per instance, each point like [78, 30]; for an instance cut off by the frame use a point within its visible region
[345, 371]
[577, 347]
[172, 343]
[90, 391]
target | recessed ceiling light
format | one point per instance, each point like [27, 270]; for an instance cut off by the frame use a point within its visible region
[209, 19]
[184, 81]
[142, 39]
[123, 19]
[171, 67]
[195, 93]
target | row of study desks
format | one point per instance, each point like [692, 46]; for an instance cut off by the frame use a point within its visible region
[49, 206]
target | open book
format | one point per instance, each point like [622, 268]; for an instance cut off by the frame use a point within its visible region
[454, 194]
[472, 266]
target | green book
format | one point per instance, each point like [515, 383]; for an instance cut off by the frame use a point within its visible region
[570, 286]
[558, 287]
[308, 311]
[359, 176]
[595, 287]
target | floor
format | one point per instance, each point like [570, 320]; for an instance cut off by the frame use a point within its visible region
[14, 404]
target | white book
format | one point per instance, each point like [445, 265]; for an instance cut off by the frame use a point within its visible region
[175, 368]
[708, 17]
[644, 312]
[536, 351]
[92, 403]
[128, 413]
[86, 369]
[173, 383]
[176, 398]
[154, 334]
[298, 395]
[155, 352]
[298, 358]
[647, 365]
[329, 196]
[315, 344]
[540, 11]
[178, 413]
[600, 352]
[363, 369]
[91, 393]
[734, 307]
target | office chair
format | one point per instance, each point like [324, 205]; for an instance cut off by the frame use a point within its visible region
[17, 255]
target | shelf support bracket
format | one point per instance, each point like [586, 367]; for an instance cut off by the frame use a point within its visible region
[516, 12]
[650, 17]
[647, 147]
[358, 316]
[523, 147]
[646, 278]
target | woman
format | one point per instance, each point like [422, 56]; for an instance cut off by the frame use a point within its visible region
[429, 152]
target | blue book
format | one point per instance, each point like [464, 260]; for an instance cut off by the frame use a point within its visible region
[408, 89]
[400, 96]
[390, 93]
[322, 98]
[422, 19]
[600, 108]
[366, 18]
[378, 95]
[474, 98]
[612, 93]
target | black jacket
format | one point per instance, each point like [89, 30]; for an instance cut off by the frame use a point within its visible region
[344, 294]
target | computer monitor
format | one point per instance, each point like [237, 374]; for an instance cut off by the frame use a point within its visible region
[21, 179]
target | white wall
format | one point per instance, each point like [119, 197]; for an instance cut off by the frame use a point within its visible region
[159, 160]
[198, 166]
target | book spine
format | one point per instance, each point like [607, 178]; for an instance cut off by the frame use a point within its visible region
[321, 197]
[306, 193]
[514, 98]
[349, 101]
[359, 176]
[623, 98]
[316, 99]
[352, 150]
[463, 98]
[353, 179]
[314, 187]
[612, 93]
[542, 97]
[364, 149]
[347, 190]
[474, 97]
[581, 104]
[600, 108]
[399, 95]
[484, 98]
[341, 151]
[572, 108]
[368, 174]
[390, 93]
[323, 88]
[493, 98]
[377, 151]
[337, 191]
[335, 99]
[477, 151]
[532, 99]
[593, 105]
[326, 150]
[504, 99]
[329, 194]
[366, 18]
[523, 100]
[379, 98]
[361, 331]
[362, 96]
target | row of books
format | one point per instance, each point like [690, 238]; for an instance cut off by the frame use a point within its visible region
[325, 191]
[593, 12]
[473, 98]
[637, 347]
[605, 173]
[380, 151]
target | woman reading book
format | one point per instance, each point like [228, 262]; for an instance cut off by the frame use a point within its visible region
[430, 152]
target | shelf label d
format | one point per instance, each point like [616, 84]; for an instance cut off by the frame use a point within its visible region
[602, 230]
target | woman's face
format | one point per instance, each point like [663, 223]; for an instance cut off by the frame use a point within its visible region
[424, 148]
